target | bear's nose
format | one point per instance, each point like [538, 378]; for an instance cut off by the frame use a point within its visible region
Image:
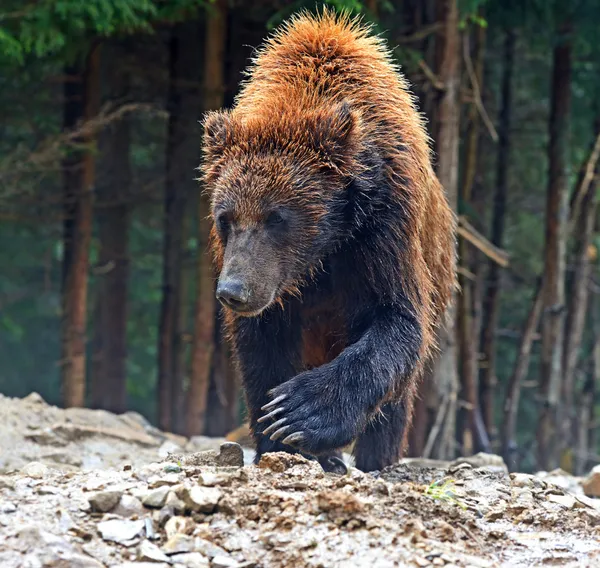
[232, 293]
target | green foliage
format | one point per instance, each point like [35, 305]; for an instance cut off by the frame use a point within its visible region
[443, 490]
[51, 26]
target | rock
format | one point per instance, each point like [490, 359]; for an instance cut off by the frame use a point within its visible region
[210, 479]
[149, 528]
[168, 479]
[35, 398]
[179, 543]
[163, 516]
[36, 470]
[172, 468]
[156, 498]
[231, 455]
[6, 483]
[149, 552]
[567, 501]
[200, 499]
[482, 459]
[280, 461]
[48, 550]
[120, 530]
[193, 560]
[526, 480]
[223, 562]
[179, 525]
[175, 503]
[104, 501]
[7, 507]
[142, 565]
[591, 484]
[209, 549]
[129, 506]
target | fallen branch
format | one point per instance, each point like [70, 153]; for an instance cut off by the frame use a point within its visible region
[470, 234]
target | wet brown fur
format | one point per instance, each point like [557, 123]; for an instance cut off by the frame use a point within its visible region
[310, 64]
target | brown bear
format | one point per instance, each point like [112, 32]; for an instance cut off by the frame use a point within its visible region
[333, 241]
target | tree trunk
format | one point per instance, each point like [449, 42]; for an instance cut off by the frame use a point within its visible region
[77, 234]
[492, 297]
[109, 373]
[182, 157]
[204, 319]
[468, 352]
[223, 396]
[555, 254]
[448, 117]
[513, 389]
[578, 308]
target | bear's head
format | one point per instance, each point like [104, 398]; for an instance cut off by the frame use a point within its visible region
[278, 197]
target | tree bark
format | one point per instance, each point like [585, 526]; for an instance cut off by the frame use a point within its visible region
[492, 297]
[77, 234]
[448, 117]
[204, 319]
[576, 315]
[555, 254]
[468, 352]
[109, 373]
[182, 156]
[513, 389]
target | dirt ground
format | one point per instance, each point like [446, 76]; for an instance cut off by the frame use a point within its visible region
[82, 488]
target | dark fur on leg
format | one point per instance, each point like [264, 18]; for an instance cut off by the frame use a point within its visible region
[380, 444]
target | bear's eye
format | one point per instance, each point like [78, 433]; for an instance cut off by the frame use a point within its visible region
[222, 223]
[275, 218]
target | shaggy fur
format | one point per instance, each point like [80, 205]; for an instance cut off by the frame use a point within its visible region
[359, 273]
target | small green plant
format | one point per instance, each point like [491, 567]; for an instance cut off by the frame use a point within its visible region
[443, 489]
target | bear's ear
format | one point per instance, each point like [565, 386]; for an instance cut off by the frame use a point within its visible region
[218, 132]
[336, 135]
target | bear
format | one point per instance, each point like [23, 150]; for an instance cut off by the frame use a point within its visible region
[333, 242]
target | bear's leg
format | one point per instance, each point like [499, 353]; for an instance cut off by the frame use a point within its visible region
[380, 444]
[327, 407]
[267, 350]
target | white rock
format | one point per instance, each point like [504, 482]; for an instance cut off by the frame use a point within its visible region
[120, 530]
[36, 470]
[150, 552]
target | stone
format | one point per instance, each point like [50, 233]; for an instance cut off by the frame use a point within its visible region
[491, 461]
[129, 506]
[200, 499]
[179, 525]
[157, 497]
[6, 482]
[224, 562]
[8, 507]
[120, 530]
[591, 484]
[48, 550]
[526, 480]
[179, 543]
[149, 552]
[35, 470]
[208, 548]
[104, 501]
[35, 398]
[166, 479]
[175, 503]
[192, 560]
[231, 455]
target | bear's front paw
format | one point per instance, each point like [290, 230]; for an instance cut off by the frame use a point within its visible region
[310, 414]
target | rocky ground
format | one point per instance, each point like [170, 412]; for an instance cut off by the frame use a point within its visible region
[81, 488]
